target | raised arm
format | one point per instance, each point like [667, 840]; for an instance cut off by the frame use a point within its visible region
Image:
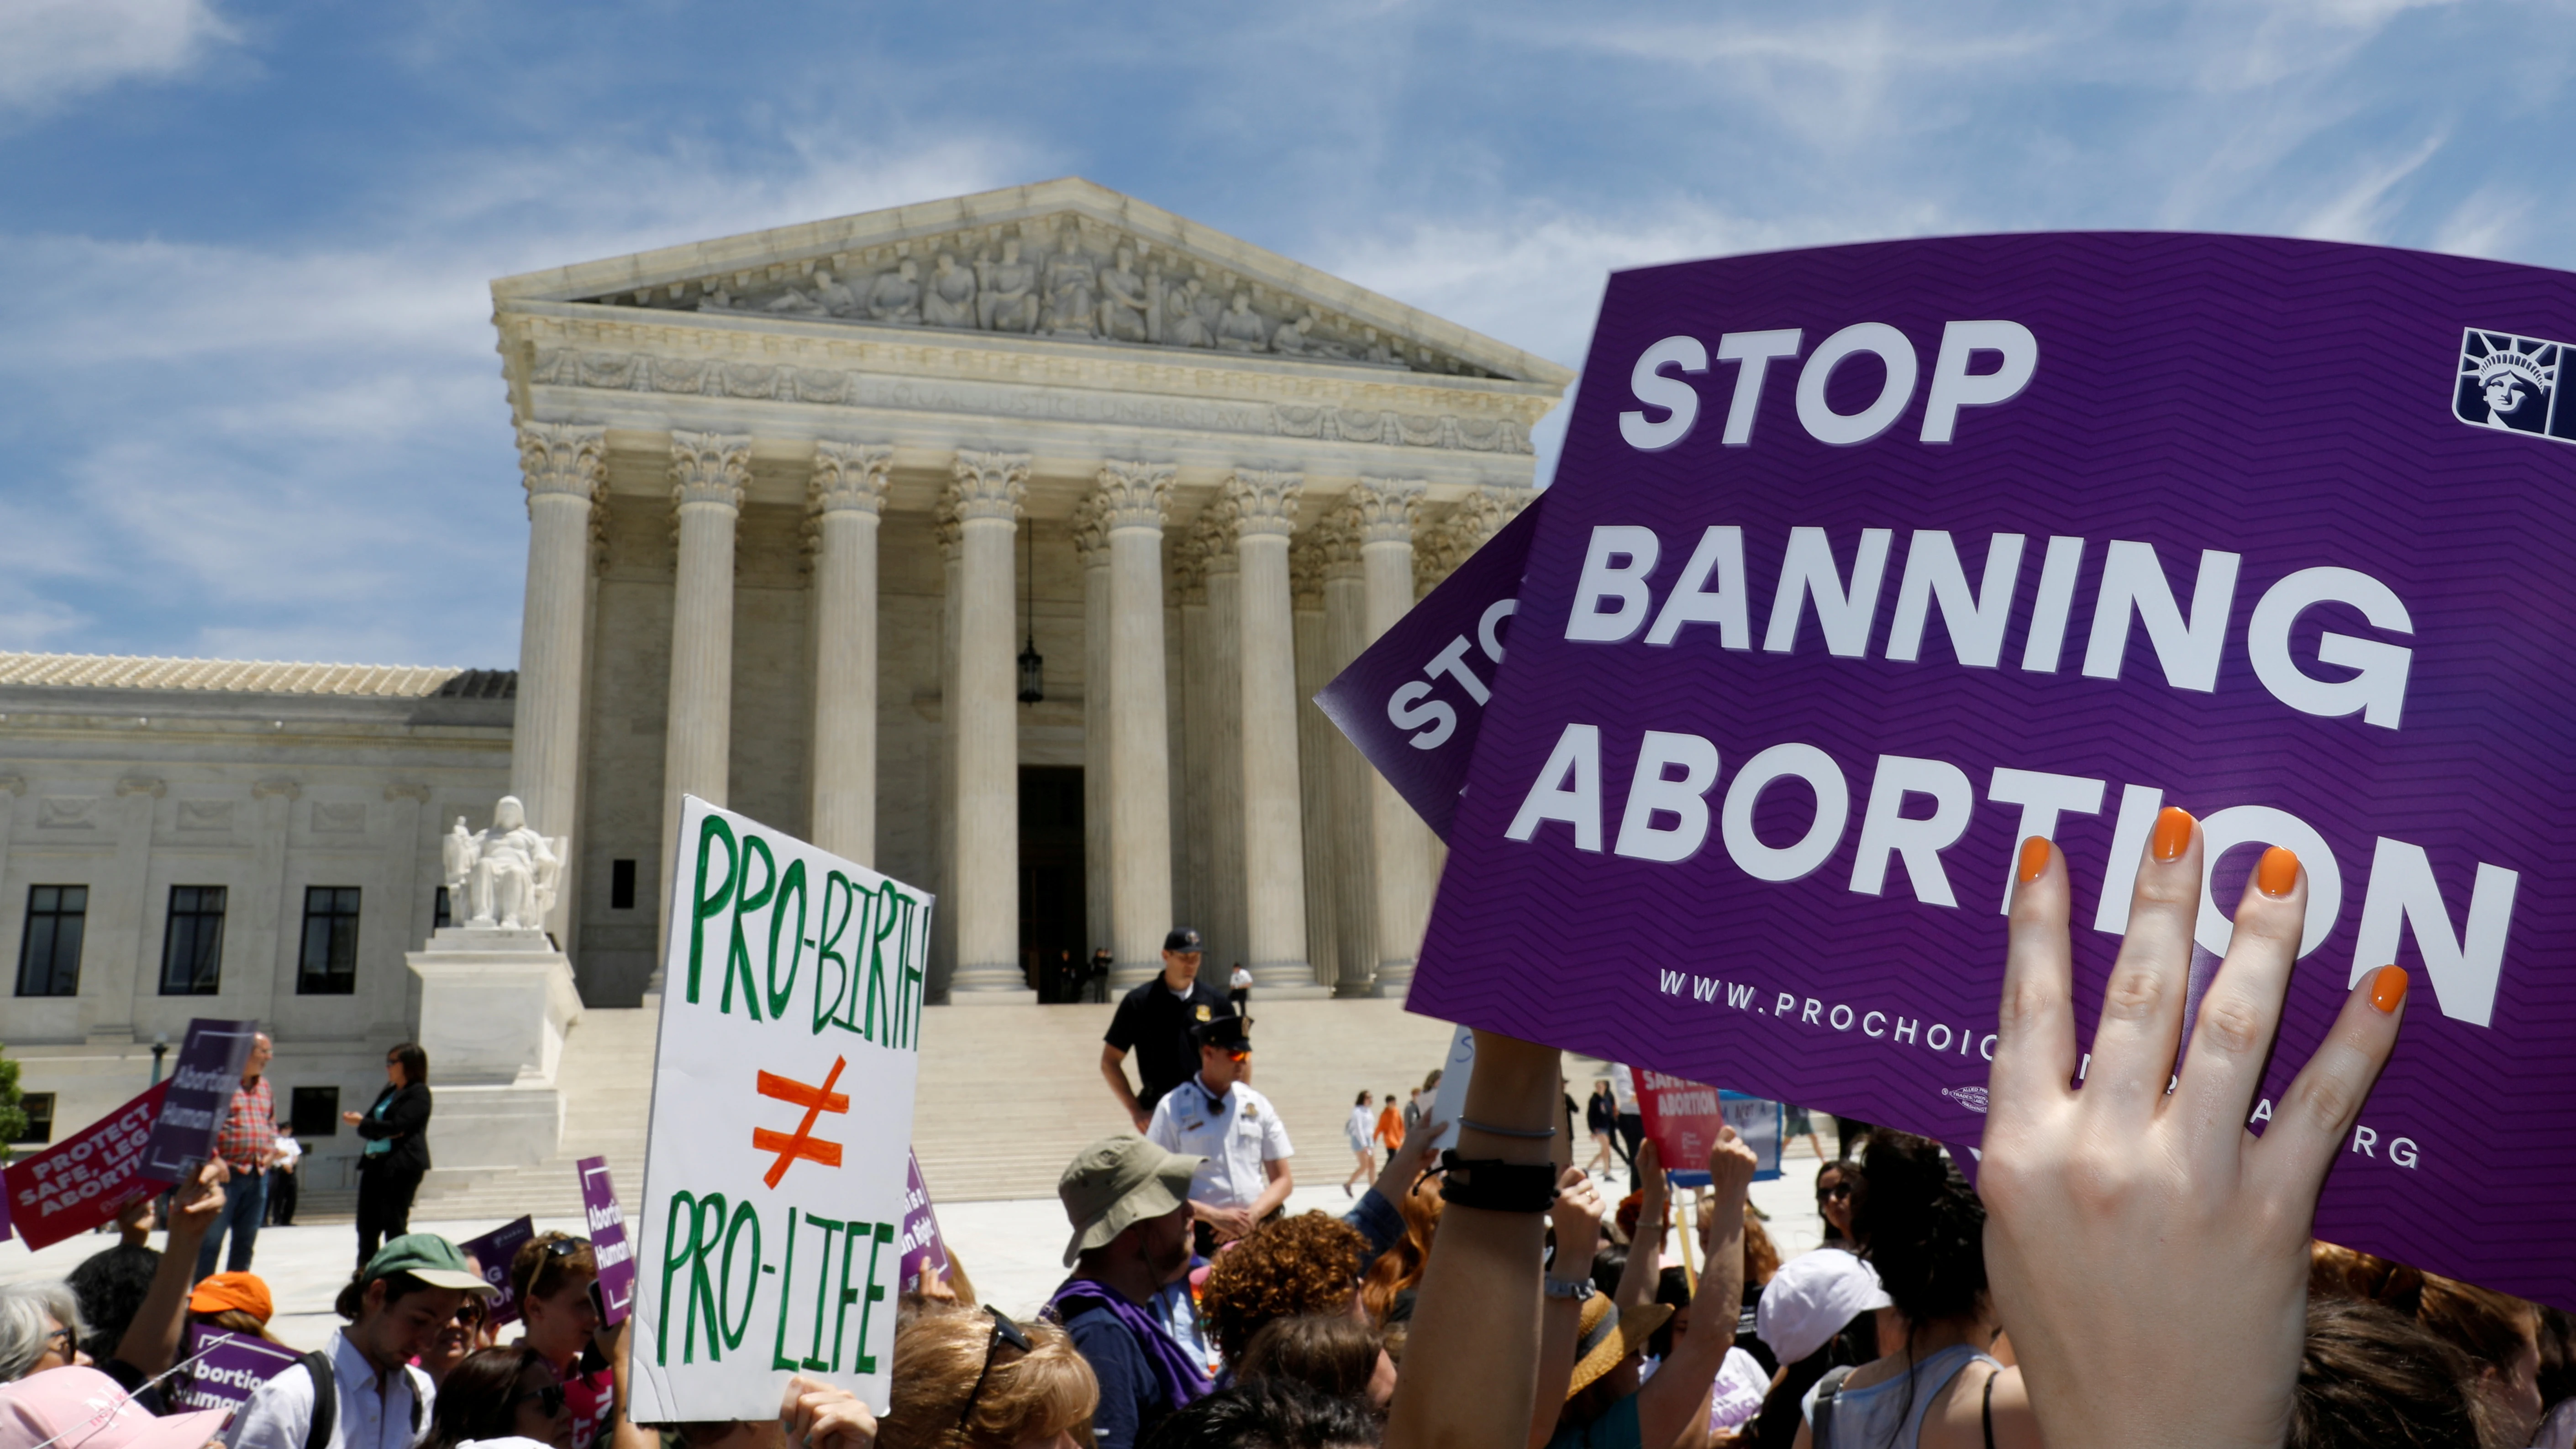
[1645, 1270]
[1577, 1220]
[152, 1339]
[1670, 1402]
[1471, 1368]
[2149, 1256]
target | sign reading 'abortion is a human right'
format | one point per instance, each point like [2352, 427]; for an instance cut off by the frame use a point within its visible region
[1863, 563]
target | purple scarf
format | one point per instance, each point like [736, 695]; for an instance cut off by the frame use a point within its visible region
[1181, 1379]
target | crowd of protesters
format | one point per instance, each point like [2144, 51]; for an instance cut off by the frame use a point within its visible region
[2131, 1268]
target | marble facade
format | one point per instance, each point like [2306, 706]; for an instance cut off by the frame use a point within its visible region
[798, 499]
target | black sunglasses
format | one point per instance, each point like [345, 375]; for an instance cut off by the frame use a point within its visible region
[1835, 1193]
[549, 1400]
[557, 1245]
[71, 1343]
[1004, 1331]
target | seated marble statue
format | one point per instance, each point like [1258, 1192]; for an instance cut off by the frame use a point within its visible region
[1241, 329]
[896, 296]
[1070, 280]
[829, 298]
[949, 301]
[1182, 324]
[505, 876]
[1123, 299]
[1004, 299]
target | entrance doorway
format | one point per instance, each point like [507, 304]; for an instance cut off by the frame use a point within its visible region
[1053, 938]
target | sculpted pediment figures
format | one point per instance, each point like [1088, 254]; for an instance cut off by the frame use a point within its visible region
[1067, 277]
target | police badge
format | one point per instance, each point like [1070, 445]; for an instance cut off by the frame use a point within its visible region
[2511, 382]
[1203, 1011]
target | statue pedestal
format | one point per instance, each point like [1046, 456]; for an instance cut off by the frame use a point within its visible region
[494, 1007]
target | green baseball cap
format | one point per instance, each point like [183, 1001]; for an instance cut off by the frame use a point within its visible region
[430, 1258]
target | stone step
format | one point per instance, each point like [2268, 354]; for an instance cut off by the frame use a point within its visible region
[1007, 1095]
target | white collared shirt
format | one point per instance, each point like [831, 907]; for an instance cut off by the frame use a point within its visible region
[280, 1412]
[1237, 1133]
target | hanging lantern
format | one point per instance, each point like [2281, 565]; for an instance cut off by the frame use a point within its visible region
[1032, 663]
[1032, 674]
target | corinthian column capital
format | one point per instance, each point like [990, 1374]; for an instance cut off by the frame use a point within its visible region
[988, 485]
[1259, 501]
[1384, 508]
[563, 458]
[1090, 535]
[1212, 538]
[1133, 495]
[849, 477]
[709, 468]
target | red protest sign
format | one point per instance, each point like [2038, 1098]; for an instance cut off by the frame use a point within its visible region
[87, 1179]
[1681, 1117]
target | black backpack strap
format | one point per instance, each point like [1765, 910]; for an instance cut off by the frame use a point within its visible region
[1989, 1411]
[326, 1399]
[1826, 1388]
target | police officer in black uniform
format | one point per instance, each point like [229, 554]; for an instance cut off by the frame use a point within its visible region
[1154, 1022]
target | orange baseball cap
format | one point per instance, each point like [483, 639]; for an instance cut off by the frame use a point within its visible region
[243, 1291]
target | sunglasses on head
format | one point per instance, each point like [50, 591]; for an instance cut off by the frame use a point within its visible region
[1004, 1331]
[557, 1245]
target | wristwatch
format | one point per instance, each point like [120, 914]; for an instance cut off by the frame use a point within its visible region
[1577, 1289]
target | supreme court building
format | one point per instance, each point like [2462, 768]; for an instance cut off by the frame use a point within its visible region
[997, 543]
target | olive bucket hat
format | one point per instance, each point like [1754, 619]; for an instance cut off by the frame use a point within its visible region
[1118, 1182]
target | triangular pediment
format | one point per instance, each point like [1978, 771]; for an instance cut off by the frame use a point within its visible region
[1066, 260]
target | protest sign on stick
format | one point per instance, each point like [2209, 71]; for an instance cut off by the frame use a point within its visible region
[201, 1095]
[608, 1243]
[1864, 563]
[924, 1250]
[224, 1368]
[492, 1254]
[87, 1178]
[775, 1166]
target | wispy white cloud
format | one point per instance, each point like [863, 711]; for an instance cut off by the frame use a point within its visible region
[53, 50]
[2363, 209]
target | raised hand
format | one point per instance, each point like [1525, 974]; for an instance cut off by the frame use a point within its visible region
[2148, 1254]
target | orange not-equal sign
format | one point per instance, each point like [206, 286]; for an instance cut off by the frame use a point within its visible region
[803, 1143]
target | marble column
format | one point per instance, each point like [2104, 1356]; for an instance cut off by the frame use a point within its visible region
[1264, 510]
[1350, 812]
[12, 785]
[847, 495]
[1193, 810]
[273, 948]
[564, 468]
[985, 494]
[943, 826]
[708, 473]
[1091, 547]
[1314, 769]
[1384, 513]
[1131, 502]
[1221, 700]
[116, 967]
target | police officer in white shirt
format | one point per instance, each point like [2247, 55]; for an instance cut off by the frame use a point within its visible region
[1217, 1115]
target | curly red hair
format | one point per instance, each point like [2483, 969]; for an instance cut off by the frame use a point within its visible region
[1289, 1268]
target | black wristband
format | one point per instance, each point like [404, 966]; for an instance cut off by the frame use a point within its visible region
[1497, 1186]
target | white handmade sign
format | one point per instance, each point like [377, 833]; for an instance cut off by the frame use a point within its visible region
[770, 1236]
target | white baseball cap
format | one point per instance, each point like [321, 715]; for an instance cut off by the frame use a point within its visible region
[1810, 1299]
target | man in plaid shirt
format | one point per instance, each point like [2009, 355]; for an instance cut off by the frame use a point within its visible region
[247, 1143]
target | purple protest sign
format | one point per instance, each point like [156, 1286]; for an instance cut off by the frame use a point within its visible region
[1863, 563]
[1413, 700]
[608, 1244]
[201, 1095]
[922, 1245]
[226, 1367]
[492, 1253]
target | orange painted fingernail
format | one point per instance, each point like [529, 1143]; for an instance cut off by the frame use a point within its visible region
[2278, 872]
[2173, 832]
[2388, 989]
[2034, 858]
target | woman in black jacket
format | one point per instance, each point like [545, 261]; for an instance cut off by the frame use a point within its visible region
[397, 1152]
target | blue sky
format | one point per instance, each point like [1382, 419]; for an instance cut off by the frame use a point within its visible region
[252, 404]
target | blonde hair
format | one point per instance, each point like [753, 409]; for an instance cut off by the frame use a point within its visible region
[940, 1352]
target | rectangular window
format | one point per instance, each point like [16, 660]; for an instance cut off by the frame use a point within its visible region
[192, 944]
[621, 885]
[39, 1107]
[441, 914]
[329, 963]
[49, 949]
[315, 1111]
